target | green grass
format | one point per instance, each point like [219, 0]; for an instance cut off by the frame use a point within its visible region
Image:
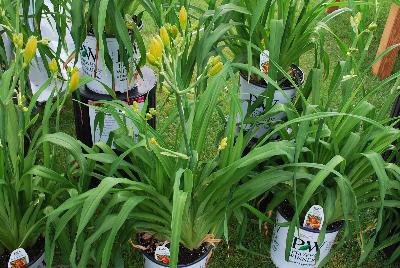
[228, 255]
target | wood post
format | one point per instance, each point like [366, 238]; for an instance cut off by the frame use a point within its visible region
[391, 36]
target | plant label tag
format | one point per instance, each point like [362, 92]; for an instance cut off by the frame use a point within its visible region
[18, 259]
[314, 218]
[162, 254]
[264, 61]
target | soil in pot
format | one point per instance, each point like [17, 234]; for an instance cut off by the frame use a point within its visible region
[34, 253]
[186, 256]
[295, 72]
[287, 212]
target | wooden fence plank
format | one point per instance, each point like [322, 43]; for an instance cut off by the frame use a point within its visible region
[391, 36]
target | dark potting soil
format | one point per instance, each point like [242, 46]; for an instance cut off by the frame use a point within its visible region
[287, 211]
[294, 72]
[186, 256]
[33, 253]
[296, 75]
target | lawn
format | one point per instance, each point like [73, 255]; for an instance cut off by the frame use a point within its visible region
[228, 255]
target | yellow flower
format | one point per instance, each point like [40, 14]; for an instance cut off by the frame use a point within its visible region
[135, 106]
[53, 66]
[74, 80]
[165, 37]
[183, 18]
[153, 141]
[156, 48]
[223, 144]
[30, 49]
[18, 40]
[215, 69]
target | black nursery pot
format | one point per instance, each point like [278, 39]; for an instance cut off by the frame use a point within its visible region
[85, 116]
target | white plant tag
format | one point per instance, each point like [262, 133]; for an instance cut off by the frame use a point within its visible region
[314, 218]
[162, 254]
[264, 61]
[18, 259]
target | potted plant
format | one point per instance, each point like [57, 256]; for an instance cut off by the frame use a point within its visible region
[111, 51]
[175, 200]
[339, 151]
[388, 239]
[206, 38]
[46, 20]
[271, 36]
[29, 186]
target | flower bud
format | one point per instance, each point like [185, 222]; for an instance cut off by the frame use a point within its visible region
[223, 144]
[149, 116]
[214, 60]
[74, 80]
[152, 60]
[18, 40]
[153, 111]
[183, 18]
[30, 49]
[45, 41]
[165, 37]
[174, 31]
[215, 69]
[156, 48]
[153, 141]
[135, 106]
[372, 27]
[53, 66]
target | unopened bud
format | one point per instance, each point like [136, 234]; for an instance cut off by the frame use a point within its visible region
[53, 66]
[74, 80]
[183, 18]
[215, 69]
[30, 49]
[165, 37]
[18, 40]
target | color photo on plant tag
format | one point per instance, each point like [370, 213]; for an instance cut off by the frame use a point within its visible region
[314, 218]
[18, 259]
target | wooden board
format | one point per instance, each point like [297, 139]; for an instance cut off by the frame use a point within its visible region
[391, 36]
